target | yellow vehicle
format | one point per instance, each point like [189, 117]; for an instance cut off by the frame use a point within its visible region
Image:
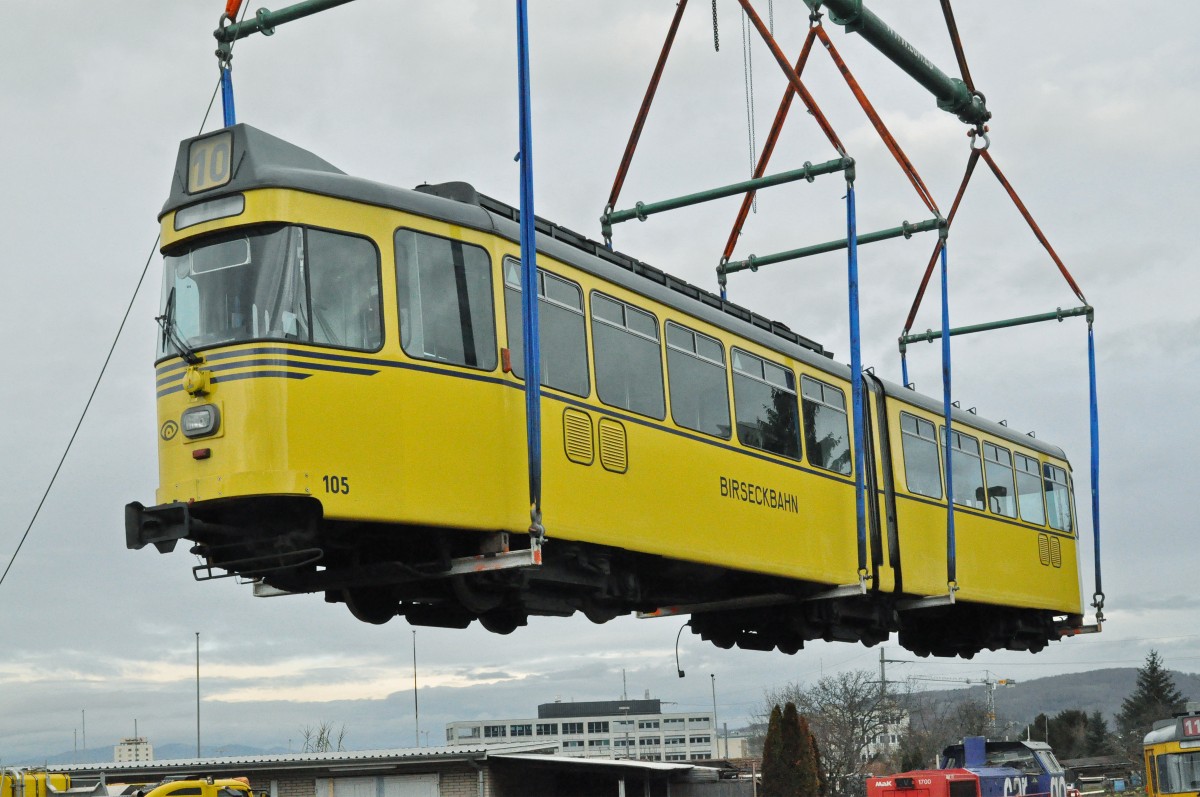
[32, 783]
[341, 410]
[1172, 755]
[199, 787]
[39, 783]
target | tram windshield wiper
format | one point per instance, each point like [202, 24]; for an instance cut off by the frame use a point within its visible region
[170, 332]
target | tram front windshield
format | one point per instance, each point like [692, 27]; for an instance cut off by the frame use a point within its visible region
[1178, 772]
[277, 283]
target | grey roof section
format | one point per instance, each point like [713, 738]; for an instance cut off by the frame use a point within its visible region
[337, 761]
[696, 772]
[598, 708]
[261, 160]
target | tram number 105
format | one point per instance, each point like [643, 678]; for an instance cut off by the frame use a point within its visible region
[209, 162]
[336, 485]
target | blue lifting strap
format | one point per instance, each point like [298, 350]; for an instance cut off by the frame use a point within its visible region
[227, 95]
[529, 285]
[856, 378]
[1098, 596]
[951, 557]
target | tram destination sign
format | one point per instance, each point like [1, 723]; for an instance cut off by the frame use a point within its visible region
[1189, 727]
[210, 162]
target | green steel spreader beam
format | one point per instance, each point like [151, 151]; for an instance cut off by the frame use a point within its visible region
[753, 262]
[952, 94]
[264, 21]
[643, 209]
[1057, 315]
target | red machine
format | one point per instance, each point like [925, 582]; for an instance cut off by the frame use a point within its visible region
[926, 783]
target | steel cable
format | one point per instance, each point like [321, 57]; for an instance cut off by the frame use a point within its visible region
[103, 369]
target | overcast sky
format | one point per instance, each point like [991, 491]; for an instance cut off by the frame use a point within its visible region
[1095, 109]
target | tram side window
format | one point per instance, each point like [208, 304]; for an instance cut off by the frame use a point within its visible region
[628, 357]
[968, 470]
[562, 333]
[1029, 490]
[998, 470]
[826, 425]
[343, 275]
[1058, 498]
[764, 403]
[444, 288]
[699, 388]
[922, 467]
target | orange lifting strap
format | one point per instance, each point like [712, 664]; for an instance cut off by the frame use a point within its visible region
[818, 31]
[232, 7]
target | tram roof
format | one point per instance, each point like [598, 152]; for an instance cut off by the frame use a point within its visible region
[1174, 730]
[261, 160]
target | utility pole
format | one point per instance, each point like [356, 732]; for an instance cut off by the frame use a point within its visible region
[883, 662]
[716, 736]
[197, 695]
[416, 705]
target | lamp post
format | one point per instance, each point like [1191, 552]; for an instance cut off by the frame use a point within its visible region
[716, 736]
[416, 705]
[679, 669]
[197, 695]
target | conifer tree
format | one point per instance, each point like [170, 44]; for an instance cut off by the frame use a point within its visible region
[808, 776]
[1154, 698]
[791, 763]
[1097, 741]
[774, 765]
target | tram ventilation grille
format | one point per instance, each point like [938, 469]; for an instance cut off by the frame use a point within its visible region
[577, 436]
[614, 453]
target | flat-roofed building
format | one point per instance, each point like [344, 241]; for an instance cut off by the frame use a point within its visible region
[624, 729]
[133, 748]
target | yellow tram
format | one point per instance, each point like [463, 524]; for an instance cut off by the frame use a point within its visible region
[1172, 755]
[341, 410]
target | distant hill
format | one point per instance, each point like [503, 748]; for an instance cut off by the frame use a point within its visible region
[1096, 690]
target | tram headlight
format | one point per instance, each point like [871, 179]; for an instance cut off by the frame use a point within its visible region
[200, 421]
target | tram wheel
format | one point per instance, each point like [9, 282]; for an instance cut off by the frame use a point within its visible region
[502, 622]
[373, 606]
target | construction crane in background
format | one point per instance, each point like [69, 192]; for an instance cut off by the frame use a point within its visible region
[987, 681]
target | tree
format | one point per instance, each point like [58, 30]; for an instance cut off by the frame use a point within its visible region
[1068, 729]
[1154, 698]
[321, 739]
[934, 723]
[822, 783]
[1097, 741]
[846, 713]
[808, 768]
[776, 773]
[790, 765]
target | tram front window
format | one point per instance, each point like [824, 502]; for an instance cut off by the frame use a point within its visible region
[269, 284]
[1178, 772]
